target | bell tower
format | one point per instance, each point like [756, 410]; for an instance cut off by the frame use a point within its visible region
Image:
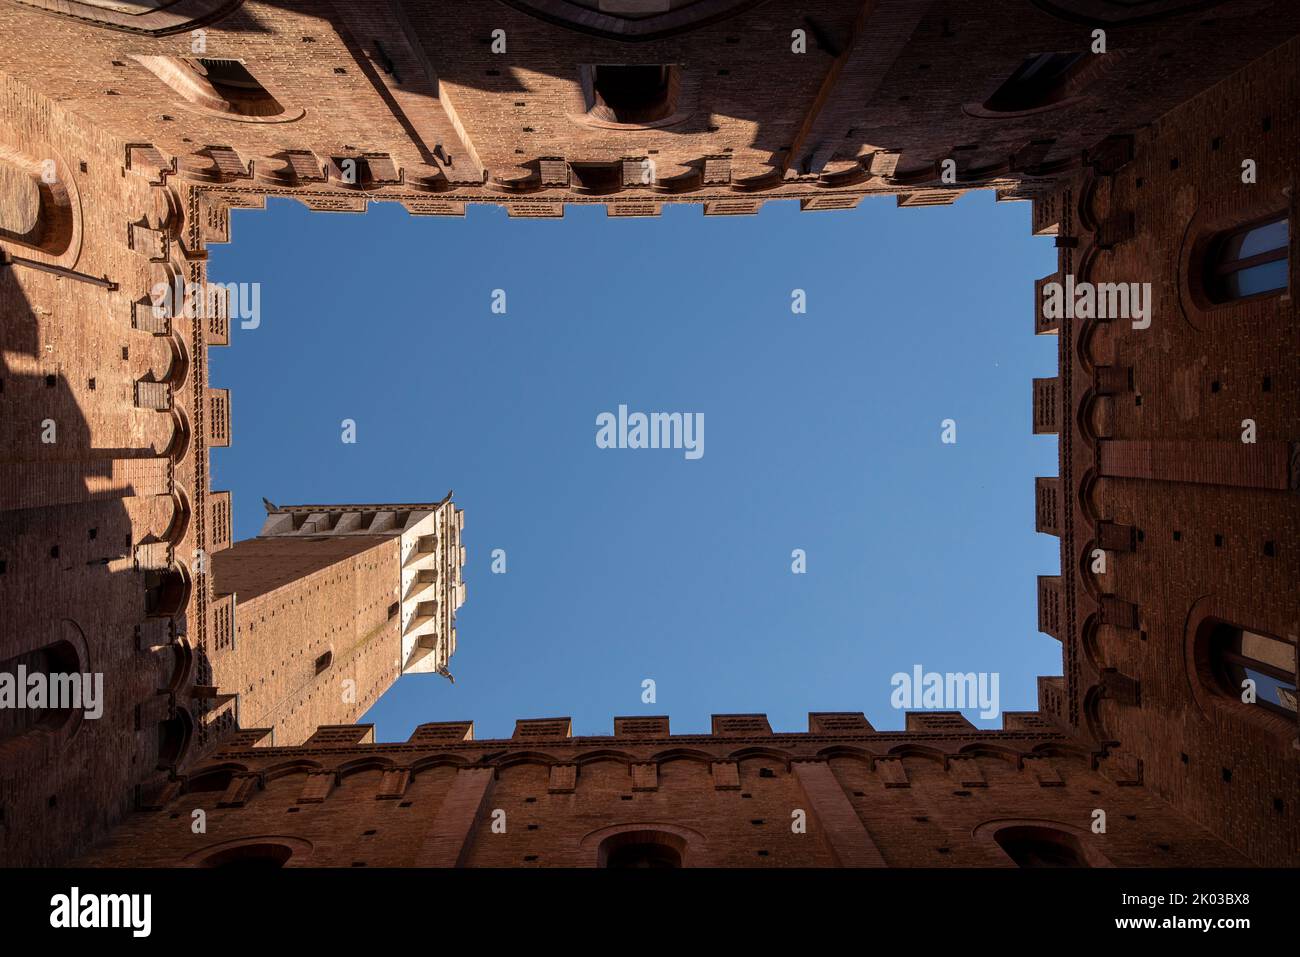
[330, 604]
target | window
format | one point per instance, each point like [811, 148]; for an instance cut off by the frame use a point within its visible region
[221, 85]
[231, 81]
[1041, 80]
[641, 849]
[324, 661]
[1237, 656]
[251, 857]
[1249, 261]
[643, 856]
[56, 660]
[1036, 846]
[632, 94]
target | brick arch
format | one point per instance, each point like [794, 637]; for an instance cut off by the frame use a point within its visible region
[175, 736]
[526, 757]
[982, 749]
[300, 849]
[912, 750]
[683, 754]
[1199, 235]
[849, 751]
[438, 761]
[1062, 749]
[986, 835]
[297, 766]
[1107, 12]
[173, 18]
[1202, 684]
[213, 777]
[51, 232]
[604, 754]
[358, 765]
[66, 643]
[175, 662]
[690, 843]
[585, 19]
[201, 96]
[762, 754]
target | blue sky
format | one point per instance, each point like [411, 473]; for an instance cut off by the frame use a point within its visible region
[822, 432]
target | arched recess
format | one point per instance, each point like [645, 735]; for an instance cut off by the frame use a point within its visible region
[150, 17]
[1222, 648]
[1203, 241]
[174, 737]
[654, 843]
[226, 88]
[527, 757]
[261, 852]
[604, 754]
[167, 591]
[1010, 756]
[297, 766]
[437, 761]
[215, 778]
[1043, 82]
[40, 206]
[359, 765]
[762, 754]
[684, 754]
[46, 729]
[1108, 12]
[918, 751]
[847, 751]
[644, 20]
[1038, 842]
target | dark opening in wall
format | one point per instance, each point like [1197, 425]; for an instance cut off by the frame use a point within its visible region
[221, 85]
[1249, 261]
[251, 857]
[324, 661]
[1041, 80]
[1041, 847]
[641, 849]
[52, 661]
[633, 93]
[237, 86]
[1235, 656]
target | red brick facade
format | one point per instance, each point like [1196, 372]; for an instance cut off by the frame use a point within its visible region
[121, 153]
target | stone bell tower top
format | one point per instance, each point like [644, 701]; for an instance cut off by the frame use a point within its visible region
[431, 555]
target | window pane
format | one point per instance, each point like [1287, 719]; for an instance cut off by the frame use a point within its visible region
[1268, 651]
[1267, 277]
[1273, 691]
[1262, 239]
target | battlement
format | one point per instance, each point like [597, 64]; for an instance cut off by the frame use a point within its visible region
[726, 729]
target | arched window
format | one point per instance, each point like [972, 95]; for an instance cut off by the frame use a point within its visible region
[641, 849]
[1238, 657]
[1041, 80]
[631, 94]
[1252, 260]
[54, 661]
[1037, 846]
[174, 736]
[251, 857]
[215, 83]
[166, 592]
